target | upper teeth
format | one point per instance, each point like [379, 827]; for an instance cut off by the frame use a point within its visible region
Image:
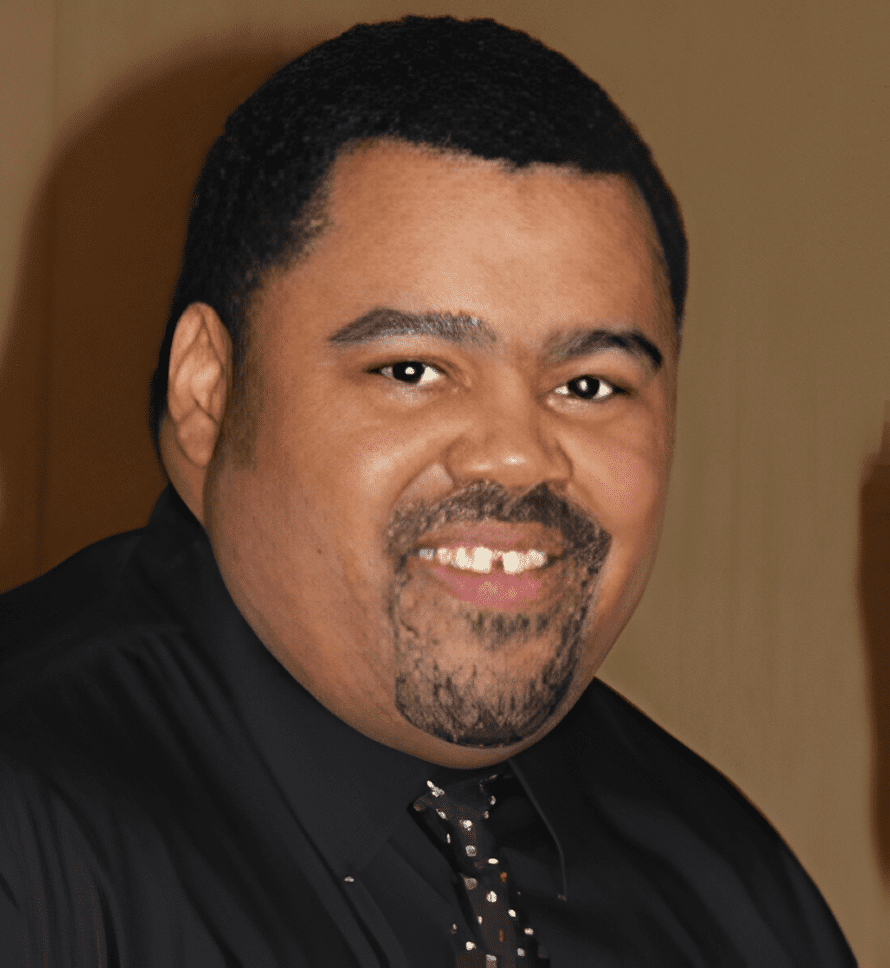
[482, 559]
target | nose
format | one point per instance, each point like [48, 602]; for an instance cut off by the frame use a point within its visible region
[507, 437]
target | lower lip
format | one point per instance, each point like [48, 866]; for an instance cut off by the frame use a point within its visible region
[497, 590]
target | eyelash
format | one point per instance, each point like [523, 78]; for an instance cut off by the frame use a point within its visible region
[389, 366]
[614, 389]
[562, 390]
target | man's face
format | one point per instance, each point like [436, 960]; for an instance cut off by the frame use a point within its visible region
[461, 434]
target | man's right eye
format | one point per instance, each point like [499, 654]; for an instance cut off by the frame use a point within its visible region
[410, 371]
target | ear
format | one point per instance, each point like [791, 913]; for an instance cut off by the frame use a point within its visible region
[198, 382]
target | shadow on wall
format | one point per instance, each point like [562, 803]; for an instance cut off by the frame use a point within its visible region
[874, 586]
[100, 258]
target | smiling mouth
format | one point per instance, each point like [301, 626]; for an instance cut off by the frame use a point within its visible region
[483, 561]
[496, 551]
[493, 578]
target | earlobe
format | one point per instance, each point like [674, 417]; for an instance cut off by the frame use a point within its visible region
[200, 361]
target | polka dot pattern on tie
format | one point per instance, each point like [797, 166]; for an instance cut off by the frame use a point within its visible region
[457, 818]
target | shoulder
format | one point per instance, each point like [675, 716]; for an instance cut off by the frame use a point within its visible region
[63, 625]
[67, 606]
[83, 655]
[81, 667]
[634, 761]
[648, 757]
[671, 806]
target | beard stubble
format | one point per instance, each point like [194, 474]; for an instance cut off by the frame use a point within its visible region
[479, 677]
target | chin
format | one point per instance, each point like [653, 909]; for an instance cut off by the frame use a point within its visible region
[488, 679]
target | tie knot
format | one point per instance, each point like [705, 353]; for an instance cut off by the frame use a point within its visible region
[469, 797]
[462, 810]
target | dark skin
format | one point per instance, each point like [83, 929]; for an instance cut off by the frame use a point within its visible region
[558, 380]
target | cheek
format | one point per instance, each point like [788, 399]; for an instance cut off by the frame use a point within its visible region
[625, 484]
[341, 470]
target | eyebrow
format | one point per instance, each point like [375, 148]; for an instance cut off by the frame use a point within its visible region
[383, 322]
[583, 342]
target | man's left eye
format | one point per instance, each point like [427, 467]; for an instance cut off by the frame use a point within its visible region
[410, 371]
[588, 388]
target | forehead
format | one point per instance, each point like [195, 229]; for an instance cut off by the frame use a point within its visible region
[428, 230]
[417, 187]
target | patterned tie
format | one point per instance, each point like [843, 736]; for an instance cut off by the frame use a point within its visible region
[501, 938]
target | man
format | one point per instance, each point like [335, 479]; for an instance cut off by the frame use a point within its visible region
[336, 704]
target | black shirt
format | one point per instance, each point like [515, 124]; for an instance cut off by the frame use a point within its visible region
[171, 796]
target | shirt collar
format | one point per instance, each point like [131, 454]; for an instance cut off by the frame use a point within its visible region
[347, 791]
[546, 774]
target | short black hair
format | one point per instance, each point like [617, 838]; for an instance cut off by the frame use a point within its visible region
[470, 86]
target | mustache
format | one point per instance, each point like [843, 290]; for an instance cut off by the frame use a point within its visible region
[583, 535]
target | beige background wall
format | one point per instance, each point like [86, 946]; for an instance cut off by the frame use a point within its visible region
[763, 639]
